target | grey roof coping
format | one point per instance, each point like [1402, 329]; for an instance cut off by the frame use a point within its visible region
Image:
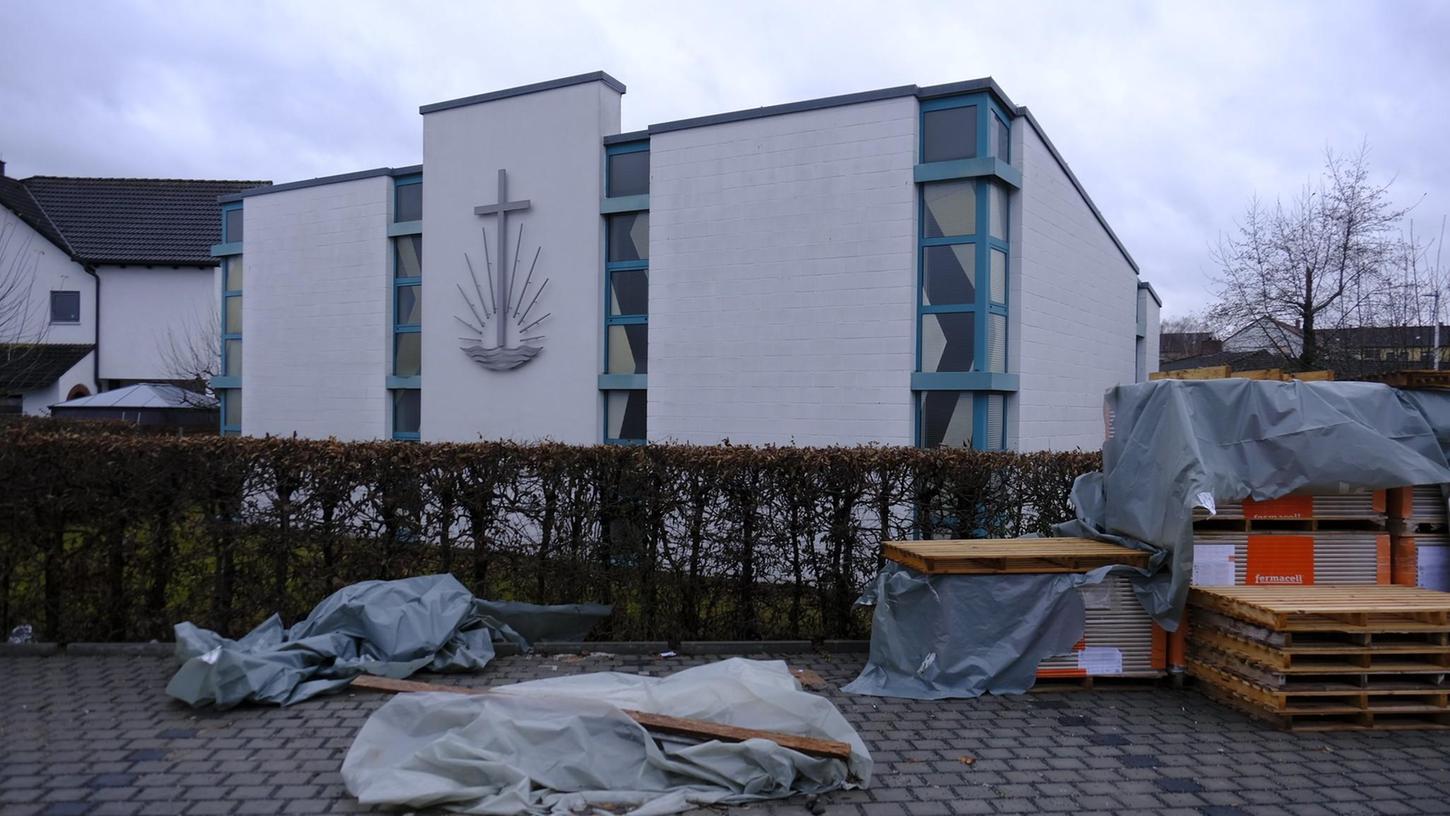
[322, 181]
[521, 90]
[789, 107]
[1151, 292]
[632, 136]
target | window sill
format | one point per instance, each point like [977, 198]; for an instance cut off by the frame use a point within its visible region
[969, 168]
[963, 381]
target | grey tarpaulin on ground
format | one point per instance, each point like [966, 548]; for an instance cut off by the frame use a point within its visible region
[389, 628]
[563, 744]
[1174, 445]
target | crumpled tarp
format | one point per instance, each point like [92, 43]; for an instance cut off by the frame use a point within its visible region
[389, 628]
[1174, 445]
[563, 744]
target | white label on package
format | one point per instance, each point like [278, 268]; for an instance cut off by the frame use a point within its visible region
[1096, 596]
[1433, 564]
[1100, 660]
[1213, 565]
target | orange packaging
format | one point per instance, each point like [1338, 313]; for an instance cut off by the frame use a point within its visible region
[1280, 560]
[1284, 507]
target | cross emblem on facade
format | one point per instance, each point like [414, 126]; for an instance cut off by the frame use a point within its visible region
[502, 210]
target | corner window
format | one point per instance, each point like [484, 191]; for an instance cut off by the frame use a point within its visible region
[1001, 139]
[628, 237]
[407, 413]
[408, 201]
[624, 416]
[962, 419]
[65, 307]
[627, 174]
[949, 133]
[232, 225]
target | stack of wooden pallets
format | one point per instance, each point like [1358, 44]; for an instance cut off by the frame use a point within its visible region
[1325, 657]
[1419, 541]
[1294, 540]
[1119, 640]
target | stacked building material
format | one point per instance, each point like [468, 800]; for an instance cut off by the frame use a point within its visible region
[1420, 544]
[1325, 657]
[1294, 540]
[1119, 639]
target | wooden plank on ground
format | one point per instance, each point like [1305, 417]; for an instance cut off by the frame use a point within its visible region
[698, 729]
[989, 556]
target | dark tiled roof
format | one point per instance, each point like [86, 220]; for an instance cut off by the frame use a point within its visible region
[169, 222]
[14, 196]
[1239, 360]
[27, 366]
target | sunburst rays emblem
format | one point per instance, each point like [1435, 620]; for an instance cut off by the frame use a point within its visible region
[499, 304]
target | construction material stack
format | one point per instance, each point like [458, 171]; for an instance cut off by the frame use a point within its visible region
[1296, 540]
[1319, 657]
[1419, 541]
[1120, 641]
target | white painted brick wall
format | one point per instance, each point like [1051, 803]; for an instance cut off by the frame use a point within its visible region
[315, 330]
[1074, 309]
[144, 308]
[782, 276]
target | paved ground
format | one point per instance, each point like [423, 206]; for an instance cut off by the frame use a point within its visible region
[96, 735]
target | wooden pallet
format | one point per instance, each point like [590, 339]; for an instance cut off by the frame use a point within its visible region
[995, 556]
[1056, 683]
[1331, 718]
[1412, 378]
[1223, 372]
[1390, 677]
[1304, 525]
[1414, 641]
[1326, 657]
[1330, 607]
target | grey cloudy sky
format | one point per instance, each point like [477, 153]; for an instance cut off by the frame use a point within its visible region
[1171, 113]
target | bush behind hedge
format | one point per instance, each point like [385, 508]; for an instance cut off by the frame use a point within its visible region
[118, 536]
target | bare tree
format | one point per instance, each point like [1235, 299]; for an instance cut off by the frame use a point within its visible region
[1325, 259]
[22, 323]
[1188, 323]
[191, 349]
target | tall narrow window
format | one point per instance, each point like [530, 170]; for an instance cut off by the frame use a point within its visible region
[406, 354]
[626, 291]
[228, 382]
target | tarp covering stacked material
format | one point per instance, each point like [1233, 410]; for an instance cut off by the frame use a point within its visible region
[1171, 445]
[389, 628]
[564, 744]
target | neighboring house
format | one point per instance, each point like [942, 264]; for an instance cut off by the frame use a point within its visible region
[105, 282]
[906, 266]
[1264, 333]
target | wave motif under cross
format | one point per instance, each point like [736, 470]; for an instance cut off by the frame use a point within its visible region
[499, 304]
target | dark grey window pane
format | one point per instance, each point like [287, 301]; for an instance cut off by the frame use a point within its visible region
[232, 226]
[629, 349]
[947, 275]
[233, 315]
[65, 307]
[625, 415]
[233, 366]
[232, 407]
[234, 273]
[950, 133]
[1004, 140]
[629, 292]
[408, 256]
[946, 419]
[410, 305]
[997, 211]
[629, 237]
[407, 410]
[408, 202]
[948, 341]
[628, 174]
[408, 354]
[949, 208]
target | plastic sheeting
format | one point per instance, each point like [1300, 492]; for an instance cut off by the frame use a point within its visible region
[389, 628]
[1172, 445]
[563, 744]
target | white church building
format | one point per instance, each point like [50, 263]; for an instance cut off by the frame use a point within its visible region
[905, 266]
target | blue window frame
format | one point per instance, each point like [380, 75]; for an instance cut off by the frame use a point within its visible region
[626, 292]
[228, 382]
[962, 275]
[405, 355]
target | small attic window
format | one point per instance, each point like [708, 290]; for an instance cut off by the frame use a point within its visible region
[232, 226]
[65, 307]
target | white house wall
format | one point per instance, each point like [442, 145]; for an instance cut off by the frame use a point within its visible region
[48, 269]
[1074, 308]
[315, 330]
[144, 308]
[549, 142]
[782, 274]
[40, 400]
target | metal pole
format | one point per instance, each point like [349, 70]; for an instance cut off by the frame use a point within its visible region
[1436, 340]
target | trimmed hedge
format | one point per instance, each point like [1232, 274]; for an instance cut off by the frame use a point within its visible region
[118, 536]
